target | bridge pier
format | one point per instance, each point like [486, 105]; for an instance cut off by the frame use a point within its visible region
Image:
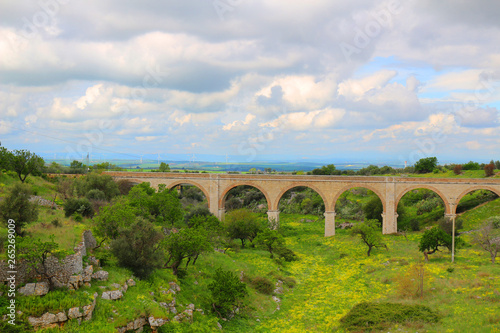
[389, 223]
[221, 214]
[330, 224]
[274, 219]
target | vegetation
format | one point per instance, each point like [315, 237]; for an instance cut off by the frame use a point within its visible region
[425, 165]
[36, 253]
[227, 292]
[370, 234]
[150, 233]
[382, 316]
[18, 207]
[243, 225]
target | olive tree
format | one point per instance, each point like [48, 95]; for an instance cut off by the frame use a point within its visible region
[24, 163]
[369, 233]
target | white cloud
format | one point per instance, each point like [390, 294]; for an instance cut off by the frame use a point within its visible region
[355, 88]
[239, 125]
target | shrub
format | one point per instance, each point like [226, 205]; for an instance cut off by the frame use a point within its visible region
[263, 285]
[124, 186]
[447, 225]
[289, 282]
[489, 170]
[96, 194]
[426, 206]
[77, 217]
[413, 282]
[471, 166]
[136, 248]
[368, 316]
[56, 223]
[227, 292]
[414, 225]
[457, 169]
[495, 222]
[16, 206]
[81, 206]
[286, 254]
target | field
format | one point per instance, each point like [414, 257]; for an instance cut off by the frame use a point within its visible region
[334, 274]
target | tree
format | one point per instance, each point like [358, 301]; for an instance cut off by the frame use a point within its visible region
[373, 209]
[77, 167]
[187, 243]
[489, 169]
[425, 165]
[166, 208]
[36, 254]
[432, 240]
[94, 181]
[17, 206]
[5, 158]
[471, 166]
[164, 167]
[457, 169]
[24, 163]
[270, 240]
[227, 292]
[488, 238]
[326, 170]
[81, 206]
[369, 234]
[497, 165]
[242, 224]
[138, 247]
[111, 219]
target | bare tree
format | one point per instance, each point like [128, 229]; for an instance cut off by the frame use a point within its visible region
[489, 239]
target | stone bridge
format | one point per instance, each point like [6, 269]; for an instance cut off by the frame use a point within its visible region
[389, 189]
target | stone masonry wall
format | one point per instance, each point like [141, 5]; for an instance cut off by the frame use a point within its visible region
[63, 269]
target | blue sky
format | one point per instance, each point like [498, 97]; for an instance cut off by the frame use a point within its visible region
[320, 80]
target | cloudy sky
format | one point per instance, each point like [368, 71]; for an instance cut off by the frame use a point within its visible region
[321, 80]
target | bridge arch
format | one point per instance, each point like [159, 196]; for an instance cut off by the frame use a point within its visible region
[446, 203]
[190, 182]
[298, 184]
[472, 189]
[223, 196]
[367, 186]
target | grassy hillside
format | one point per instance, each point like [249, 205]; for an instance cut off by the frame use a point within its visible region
[331, 276]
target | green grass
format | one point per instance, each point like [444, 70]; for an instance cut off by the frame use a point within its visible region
[475, 217]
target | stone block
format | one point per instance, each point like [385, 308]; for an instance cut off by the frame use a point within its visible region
[41, 289]
[75, 282]
[112, 295]
[139, 322]
[157, 322]
[61, 317]
[45, 320]
[28, 289]
[174, 286]
[87, 273]
[74, 313]
[130, 282]
[100, 276]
